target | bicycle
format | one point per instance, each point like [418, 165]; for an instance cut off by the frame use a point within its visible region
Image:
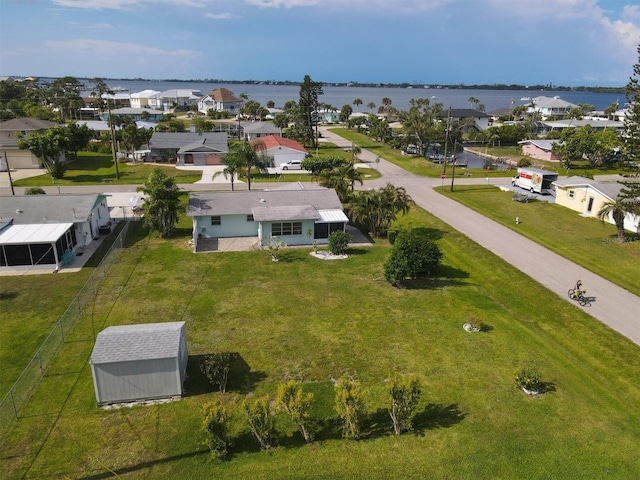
[580, 297]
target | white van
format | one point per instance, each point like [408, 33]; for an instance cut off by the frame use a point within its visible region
[291, 165]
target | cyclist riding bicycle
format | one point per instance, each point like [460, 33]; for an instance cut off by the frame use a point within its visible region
[578, 292]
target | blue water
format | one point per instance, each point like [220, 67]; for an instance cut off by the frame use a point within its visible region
[339, 96]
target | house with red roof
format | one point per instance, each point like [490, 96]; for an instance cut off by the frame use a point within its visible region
[281, 149]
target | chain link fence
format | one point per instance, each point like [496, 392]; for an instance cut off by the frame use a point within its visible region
[24, 387]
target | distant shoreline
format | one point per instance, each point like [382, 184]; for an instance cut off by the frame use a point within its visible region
[533, 88]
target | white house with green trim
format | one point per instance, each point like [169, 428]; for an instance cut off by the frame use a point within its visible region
[298, 216]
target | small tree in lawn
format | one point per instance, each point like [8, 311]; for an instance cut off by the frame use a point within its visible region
[214, 424]
[413, 255]
[260, 420]
[338, 242]
[216, 368]
[405, 395]
[272, 246]
[350, 407]
[297, 404]
[162, 204]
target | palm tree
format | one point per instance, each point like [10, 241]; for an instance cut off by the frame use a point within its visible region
[232, 167]
[617, 209]
[386, 104]
[357, 102]
[376, 209]
[371, 106]
[248, 156]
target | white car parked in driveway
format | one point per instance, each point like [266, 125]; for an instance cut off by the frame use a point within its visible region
[291, 165]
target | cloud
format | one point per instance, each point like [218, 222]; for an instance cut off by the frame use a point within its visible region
[95, 26]
[555, 9]
[369, 5]
[220, 16]
[124, 4]
[105, 48]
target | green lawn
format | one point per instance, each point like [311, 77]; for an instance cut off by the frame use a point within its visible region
[314, 320]
[94, 168]
[585, 241]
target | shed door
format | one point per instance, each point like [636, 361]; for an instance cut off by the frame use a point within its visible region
[590, 205]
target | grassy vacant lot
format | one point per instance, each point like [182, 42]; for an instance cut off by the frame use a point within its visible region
[585, 241]
[314, 320]
[95, 168]
[417, 165]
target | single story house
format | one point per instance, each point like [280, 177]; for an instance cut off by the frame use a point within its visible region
[189, 148]
[219, 100]
[253, 130]
[10, 130]
[545, 127]
[539, 149]
[587, 197]
[48, 229]
[135, 114]
[550, 106]
[139, 362]
[103, 125]
[297, 216]
[280, 149]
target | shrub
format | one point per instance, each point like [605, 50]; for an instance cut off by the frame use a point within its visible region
[524, 162]
[405, 395]
[214, 424]
[260, 420]
[338, 242]
[528, 379]
[292, 400]
[413, 255]
[34, 191]
[216, 368]
[350, 406]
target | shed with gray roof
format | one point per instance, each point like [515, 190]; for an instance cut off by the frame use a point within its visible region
[139, 362]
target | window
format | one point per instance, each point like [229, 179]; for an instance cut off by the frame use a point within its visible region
[571, 193]
[215, 220]
[250, 218]
[286, 228]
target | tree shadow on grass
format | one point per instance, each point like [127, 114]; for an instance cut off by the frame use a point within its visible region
[446, 277]
[241, 378]
[437, 415]
[4, 295]
[143, 465]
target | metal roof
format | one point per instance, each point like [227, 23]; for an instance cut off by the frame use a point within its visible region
[126, 343]
[609, 189]
[34, 233]
[332, 216]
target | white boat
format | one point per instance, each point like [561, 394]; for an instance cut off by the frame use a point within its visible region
[525, 99]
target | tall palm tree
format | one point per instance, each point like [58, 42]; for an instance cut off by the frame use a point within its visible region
[371, 106]
[376, 209]
[249, 156]
[618, 210]
[357, 102]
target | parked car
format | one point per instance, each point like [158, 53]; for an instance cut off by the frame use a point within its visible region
[291, 165]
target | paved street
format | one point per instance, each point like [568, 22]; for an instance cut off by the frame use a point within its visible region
[613, 305]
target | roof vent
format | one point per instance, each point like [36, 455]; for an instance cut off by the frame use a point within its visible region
[262, 200]
[18, 210]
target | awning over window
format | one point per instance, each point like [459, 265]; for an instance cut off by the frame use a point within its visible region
[33, 233]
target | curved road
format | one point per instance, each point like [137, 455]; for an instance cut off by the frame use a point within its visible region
[614, 306]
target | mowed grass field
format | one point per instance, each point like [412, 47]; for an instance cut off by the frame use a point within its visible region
[585, 241]
[315, 321]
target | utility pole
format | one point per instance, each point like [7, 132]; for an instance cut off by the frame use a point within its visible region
[453, 174]
[6, 161]
[446, 139]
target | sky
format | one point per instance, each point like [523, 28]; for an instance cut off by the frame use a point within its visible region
[430, 42]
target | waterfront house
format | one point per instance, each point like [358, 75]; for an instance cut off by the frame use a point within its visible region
[178, 98]
[143, 99]
[135, 114]
[297, 216]
[539, 149]
[550, 107]
[219, 100]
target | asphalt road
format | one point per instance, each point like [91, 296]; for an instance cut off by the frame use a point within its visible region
[612, 305]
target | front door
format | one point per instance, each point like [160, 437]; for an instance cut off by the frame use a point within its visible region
[590, 205]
